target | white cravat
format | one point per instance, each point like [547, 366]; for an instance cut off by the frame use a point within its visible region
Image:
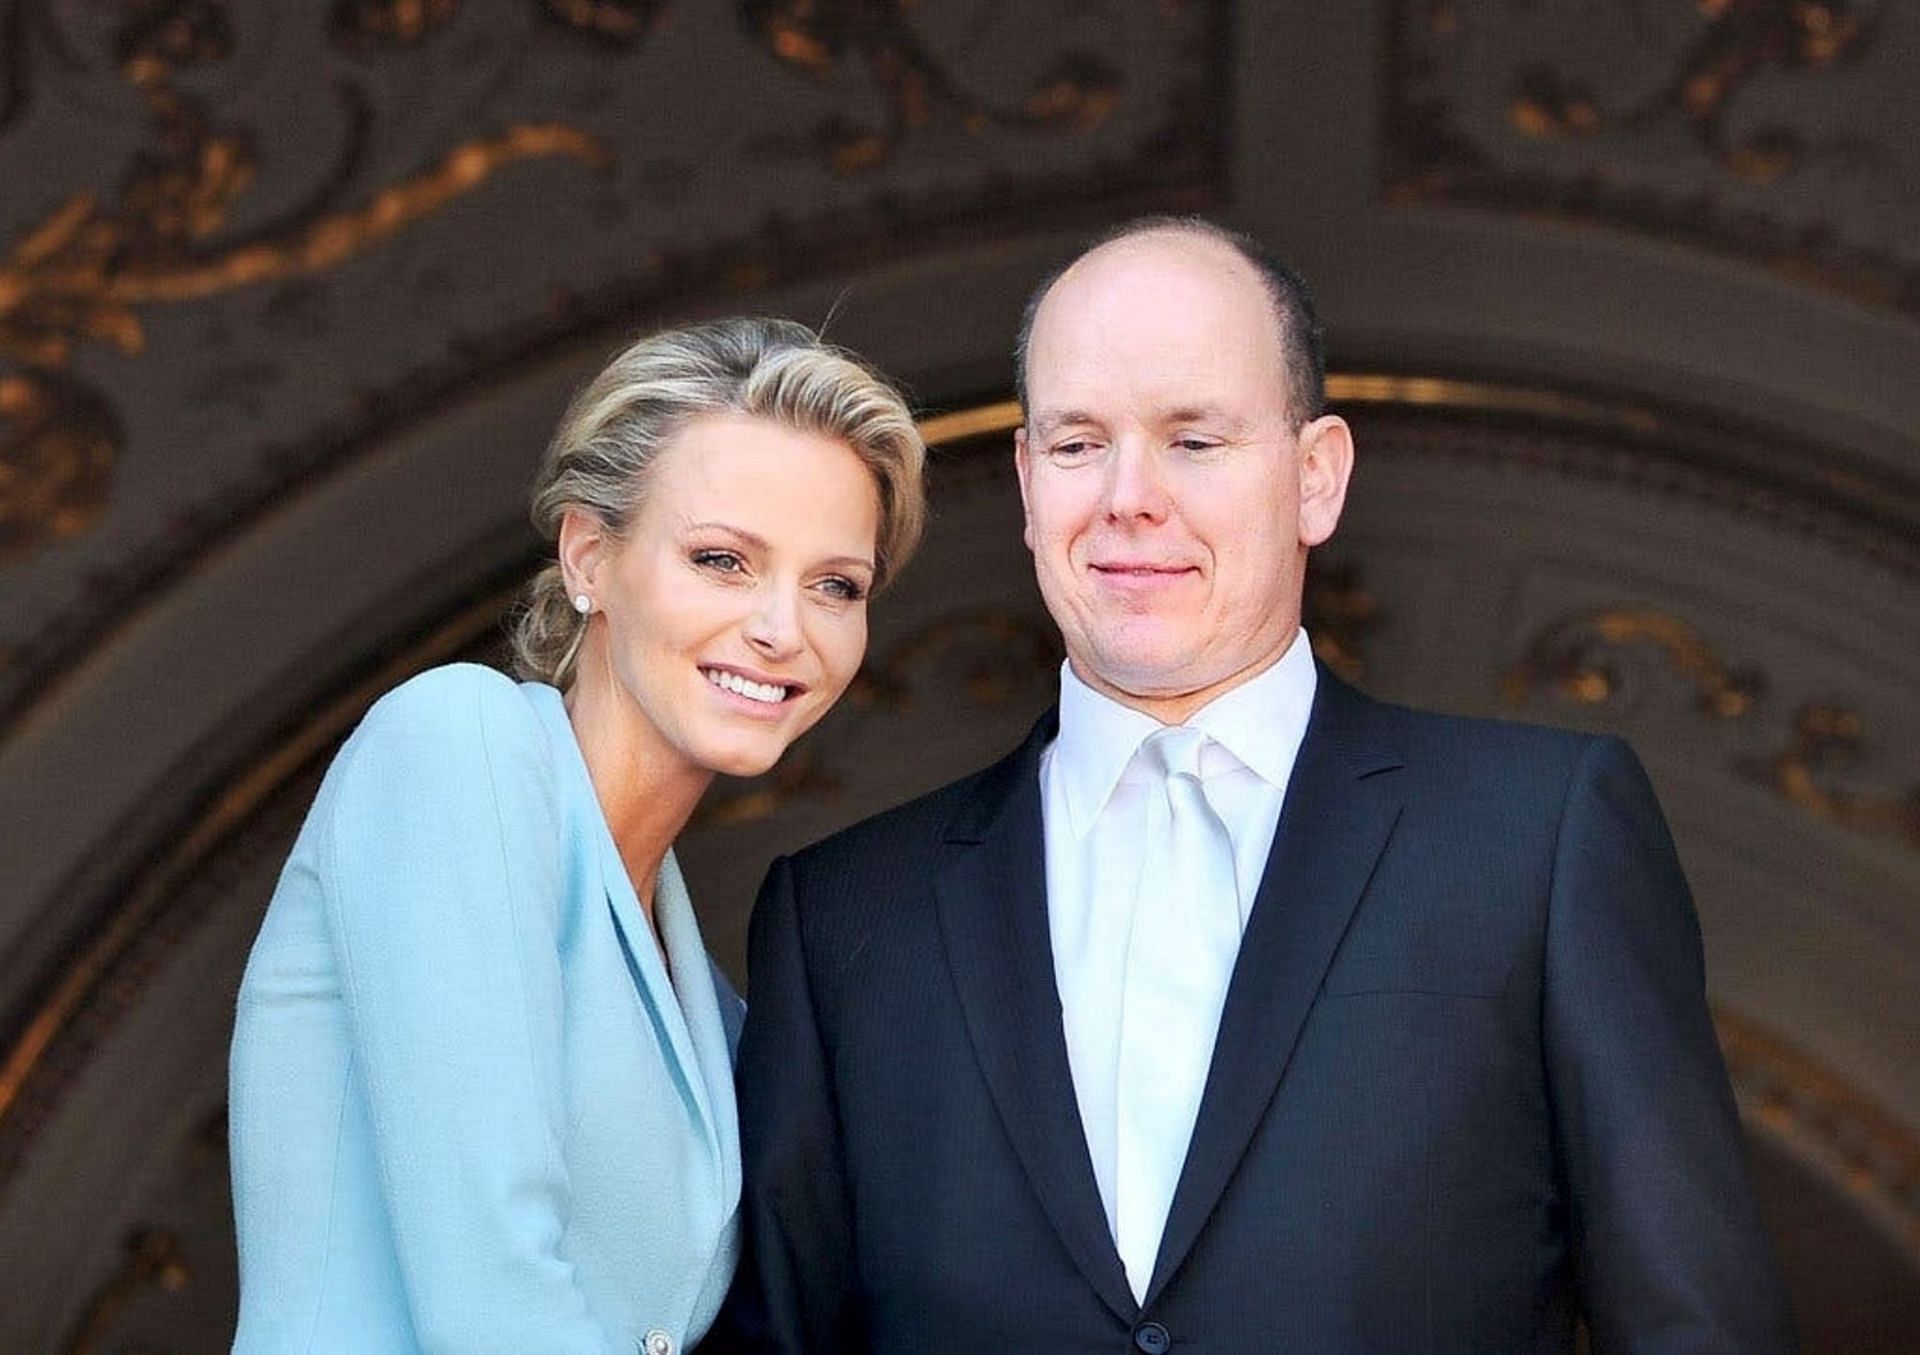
[1186, 936]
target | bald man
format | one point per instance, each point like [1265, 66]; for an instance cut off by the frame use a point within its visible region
[1234, 1011]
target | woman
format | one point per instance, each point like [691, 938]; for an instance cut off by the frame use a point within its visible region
[481, 1087]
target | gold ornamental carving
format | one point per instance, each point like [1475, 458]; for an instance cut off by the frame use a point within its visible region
[1708, 122]
[84, 273]
[1875, 1157]
[816, 38]
[1827, 741]
[1741, 42]
[58, 442]
[1580, 660]
[367, 25]
[154, 1259]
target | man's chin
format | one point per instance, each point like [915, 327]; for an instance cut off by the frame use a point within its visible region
[1140, 676]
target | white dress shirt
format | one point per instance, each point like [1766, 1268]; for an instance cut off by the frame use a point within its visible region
[1093, 804]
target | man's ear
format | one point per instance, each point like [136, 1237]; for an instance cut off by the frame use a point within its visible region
[1023, 466]
[582, 550]
[1326, 464]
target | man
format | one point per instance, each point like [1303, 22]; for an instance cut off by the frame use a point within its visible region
[1235, 1012]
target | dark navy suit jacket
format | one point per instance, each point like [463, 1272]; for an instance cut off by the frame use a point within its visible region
[1465, 1093]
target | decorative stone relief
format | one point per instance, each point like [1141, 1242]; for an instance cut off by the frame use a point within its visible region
[252, 237]
[1771, 129]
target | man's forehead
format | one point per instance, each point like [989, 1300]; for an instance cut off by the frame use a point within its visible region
[1181, 258]
[1221, 415]
[1153, 284]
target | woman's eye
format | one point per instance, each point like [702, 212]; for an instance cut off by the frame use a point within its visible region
[724, 561]
[842, 589]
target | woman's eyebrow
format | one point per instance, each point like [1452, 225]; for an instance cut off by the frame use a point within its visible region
[754, 541]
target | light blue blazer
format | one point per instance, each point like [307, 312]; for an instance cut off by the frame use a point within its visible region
[471, 1111]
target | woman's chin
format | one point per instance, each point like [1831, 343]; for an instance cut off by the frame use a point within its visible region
[745, 762]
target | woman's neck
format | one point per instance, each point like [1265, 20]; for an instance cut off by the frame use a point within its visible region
[646, 792]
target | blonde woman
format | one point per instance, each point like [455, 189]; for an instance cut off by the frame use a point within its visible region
[481, 1087]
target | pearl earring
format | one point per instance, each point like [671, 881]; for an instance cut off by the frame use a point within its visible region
[582, 603]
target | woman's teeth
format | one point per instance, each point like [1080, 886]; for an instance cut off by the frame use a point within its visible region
[753, 691]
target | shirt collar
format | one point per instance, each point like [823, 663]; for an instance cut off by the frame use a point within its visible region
[1261, 723]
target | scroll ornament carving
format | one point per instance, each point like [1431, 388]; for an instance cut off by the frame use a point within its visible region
[1581, 659]
[817, 38]
[1742, 41]
[363, 26]
[1826, 741]
[57, 447]
[155, 1259]
[367, 25]
[85, 272]
[1876, 1157]
[1618, 126]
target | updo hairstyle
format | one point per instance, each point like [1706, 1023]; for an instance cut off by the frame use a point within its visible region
[779, 370]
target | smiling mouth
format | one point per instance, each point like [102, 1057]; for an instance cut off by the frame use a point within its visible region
[1132, 571]
[767, 693]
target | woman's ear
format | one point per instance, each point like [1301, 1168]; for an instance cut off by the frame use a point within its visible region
[583, 550]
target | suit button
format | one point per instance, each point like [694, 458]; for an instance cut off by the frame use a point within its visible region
[1150, 1338]
[657, 1342]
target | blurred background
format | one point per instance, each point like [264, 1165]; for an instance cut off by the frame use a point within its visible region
[1623, 299]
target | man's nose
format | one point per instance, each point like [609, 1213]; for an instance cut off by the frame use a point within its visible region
[1136, 482]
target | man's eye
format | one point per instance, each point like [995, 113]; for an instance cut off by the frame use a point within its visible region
[724, 561]
[1072, 451]
[1194, 444]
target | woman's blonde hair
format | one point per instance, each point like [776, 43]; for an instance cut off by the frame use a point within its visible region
[779, 370]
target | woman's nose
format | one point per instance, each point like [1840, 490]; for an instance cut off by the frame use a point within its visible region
[773, 626]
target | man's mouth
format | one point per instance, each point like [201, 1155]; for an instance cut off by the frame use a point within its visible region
[1139, 569]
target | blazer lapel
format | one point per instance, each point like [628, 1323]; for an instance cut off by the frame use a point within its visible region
[653, 985]
[646, 966]
[1340, 809]
[698, 1001]
[992, 908]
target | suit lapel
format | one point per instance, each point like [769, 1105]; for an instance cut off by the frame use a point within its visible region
[993, 918]
[1340, 809]
[653, 987]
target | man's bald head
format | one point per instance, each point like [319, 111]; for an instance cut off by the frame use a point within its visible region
[1299, 326]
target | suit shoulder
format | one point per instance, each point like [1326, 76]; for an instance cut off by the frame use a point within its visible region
[452, 696]
[922, 820]
[1484, 736]
[455, 729]
[1478, 756]
[453, 707]
[910, 836]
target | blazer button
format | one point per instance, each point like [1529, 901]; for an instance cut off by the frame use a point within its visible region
[657, 1342]
[1150, 1338]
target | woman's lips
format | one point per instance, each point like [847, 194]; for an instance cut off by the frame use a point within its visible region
[759, 694]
